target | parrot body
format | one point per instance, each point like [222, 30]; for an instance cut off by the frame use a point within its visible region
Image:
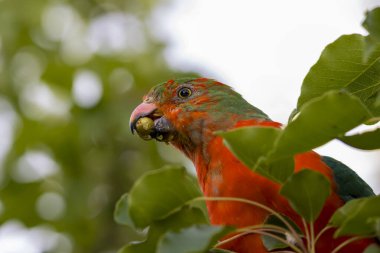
[187, 112]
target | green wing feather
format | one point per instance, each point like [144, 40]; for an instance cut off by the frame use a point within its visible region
[350, 185]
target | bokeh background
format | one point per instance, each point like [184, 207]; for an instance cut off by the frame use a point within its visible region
[71, 72]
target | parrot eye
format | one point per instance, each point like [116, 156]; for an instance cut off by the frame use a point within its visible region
[184, 92]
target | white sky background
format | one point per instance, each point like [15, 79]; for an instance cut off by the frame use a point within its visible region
[264, 49]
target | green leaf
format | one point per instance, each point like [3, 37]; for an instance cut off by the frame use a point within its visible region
[320, 121]
[307, 192]
[372, 23]
[278, 170]
[377, 100]
[341, 66]
[357, 217]
[340, 216]
[271, 243]
[367, 140]
[158, 193]
[373, 248]
[377, 228]
[260, 141]
[121, 213]
[370, 47]
[180, 219]
[194, 239]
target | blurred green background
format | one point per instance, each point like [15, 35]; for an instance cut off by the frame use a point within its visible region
[71, 72]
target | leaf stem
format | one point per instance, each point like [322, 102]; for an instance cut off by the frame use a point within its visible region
[293, 247]
[274, 228]
[322, 232]
[260, 232]
[256, 204]
[285, 251]
[346, 242]
[231, 239]
[312, 237]
[307, 234]
[247, 230]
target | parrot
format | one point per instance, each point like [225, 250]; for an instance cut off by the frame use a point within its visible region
[187, 112]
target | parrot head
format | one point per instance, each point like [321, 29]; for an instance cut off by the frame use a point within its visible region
[186, 112]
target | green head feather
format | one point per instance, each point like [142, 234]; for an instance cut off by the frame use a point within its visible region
[207, 95]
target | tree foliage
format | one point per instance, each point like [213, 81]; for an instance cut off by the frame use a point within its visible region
[46, 47]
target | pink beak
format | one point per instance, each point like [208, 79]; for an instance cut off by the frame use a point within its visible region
[142, 110]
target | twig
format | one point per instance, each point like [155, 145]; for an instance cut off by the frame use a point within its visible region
[297, 250]
[249, 229]
[346, 242]
[321, 233]
[231, 239]
[307, 234]
[312, 237]
[257, 204]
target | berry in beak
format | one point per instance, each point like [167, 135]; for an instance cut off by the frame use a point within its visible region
[149, 123]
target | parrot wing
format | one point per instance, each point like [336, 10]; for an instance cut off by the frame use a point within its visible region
[350, 185]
